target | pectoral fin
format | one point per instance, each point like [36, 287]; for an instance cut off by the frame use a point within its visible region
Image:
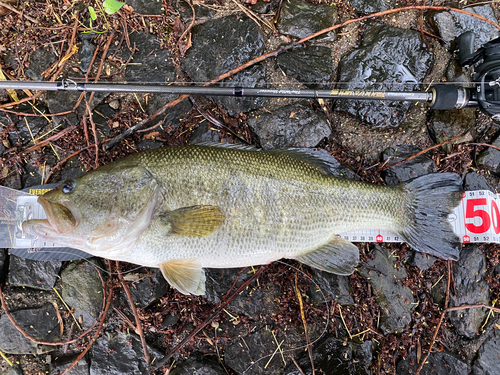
[195, 221]
[186, 276]
[338, 256]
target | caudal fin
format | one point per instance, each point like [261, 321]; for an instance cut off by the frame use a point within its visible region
[429, 201]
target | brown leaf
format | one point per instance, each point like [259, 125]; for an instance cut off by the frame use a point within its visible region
[184, 44]
[178, 28]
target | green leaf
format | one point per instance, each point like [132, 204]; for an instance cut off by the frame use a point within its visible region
[112, 6]
[93, 14]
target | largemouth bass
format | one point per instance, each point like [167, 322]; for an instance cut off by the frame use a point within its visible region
[186, 208]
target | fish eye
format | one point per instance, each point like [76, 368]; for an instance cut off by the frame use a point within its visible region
[68, 186]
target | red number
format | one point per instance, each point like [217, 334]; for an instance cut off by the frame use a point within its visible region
[495, 216]
[471, 213]
[380, 238]
[466, 239]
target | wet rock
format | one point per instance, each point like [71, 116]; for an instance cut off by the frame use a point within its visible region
[300, 19]
[198, 364]
[372, 6]
[333, 356]
[476, 181]
[40, 60]
[221, 45]
[311, 65]
[389, 58]
[101, 115]
[332, 287]
[40, 323]
[421, 260]
[450, 124]
[119, 353]
[416, 167]
[148, 144]
[470, 288]
[252, 302]
[263, 6]
[169, 320]
[442, 363]
[29, 127]
[488, 356]
[33, 274]
[81, 289]
[87, 50]
[395, 300]
[13, 370]
[2, 262]
[146, 6]
[148, 288]
[294, 125]
[453, 24]
[73, 169]
[490, 158]
[204, 133]
[81, 368]
[203, 11]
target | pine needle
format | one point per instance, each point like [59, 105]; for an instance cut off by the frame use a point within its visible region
[303, 316]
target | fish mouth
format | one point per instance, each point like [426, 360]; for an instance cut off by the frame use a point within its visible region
[60, 217]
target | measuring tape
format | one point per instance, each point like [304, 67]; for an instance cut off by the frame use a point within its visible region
[476, 219]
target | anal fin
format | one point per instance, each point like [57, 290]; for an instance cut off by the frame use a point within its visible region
[186, 275]
[339, 256]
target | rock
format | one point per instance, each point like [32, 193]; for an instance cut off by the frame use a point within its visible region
[476, 181]
[148, 144]
[421, 260]
[119, 353]
[148, 288]
[87, 50]
[389, 58]
[204, 133]
[395, 300]
[29, 127]
[40, 323]
[470, 288]
[450, 124]
[490, 158]
[40, 60]
[488, 356]
[146, 6]
[311, 65]
[294, 125]
[220, 45]
[442, 363]
[2, 262]
[33, 274]
[101, 115]
[300, 19]
[203, 11]
[197, 364]
[334, 356]
[416, 167]
[331, 286]
[81, 368]
[13, 370]
[73, 169]
[81, 289]
[453, 24]
[372, 6]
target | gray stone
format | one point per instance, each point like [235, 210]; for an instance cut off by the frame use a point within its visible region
[29, 127]
[294, 125]
[101, 115]
[118, 354]
[81, 368]
[416, 167]
[81, 289]
[488, 356]
[311, 65]
[203, 11]
[372, 6]
[421, 260]
[331, 286]
[334, 356]
[32, 273]
[40, 323]
[389, 58]
[449, 124]
[438, 364]
[40, 60]
[453, 24]
[470, 288]
[87, 50]
[476, 181]
[3, 255]
[490, 157]
[396, 301]
[13, 370]
[300, 19]
[146, 6]
[204, 133]
[197, 364]
[148, 288]
[220, 45]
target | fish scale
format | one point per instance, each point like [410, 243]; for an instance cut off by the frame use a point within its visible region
[185, 208]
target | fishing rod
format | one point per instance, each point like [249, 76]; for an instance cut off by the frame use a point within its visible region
[483, 92]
